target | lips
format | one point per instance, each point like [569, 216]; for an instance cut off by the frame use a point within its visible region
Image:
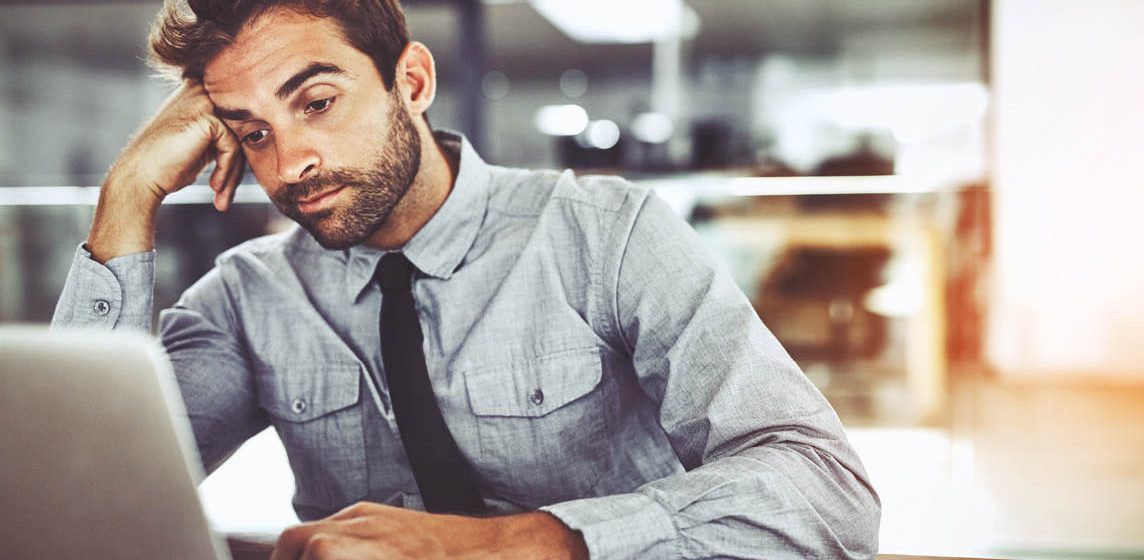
[320, 201]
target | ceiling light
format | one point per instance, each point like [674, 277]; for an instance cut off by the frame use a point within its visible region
[495, 85]
[561, 120]
[573, 82]
[603, 134]
[623, 21]
[653, 128]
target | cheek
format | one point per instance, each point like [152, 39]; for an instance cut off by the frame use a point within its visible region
[360, 135]
[264, 173]
[261, 164]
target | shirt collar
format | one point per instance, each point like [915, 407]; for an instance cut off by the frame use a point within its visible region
[440, 246]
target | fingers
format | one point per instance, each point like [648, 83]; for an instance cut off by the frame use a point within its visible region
[292, 542]
[338, 547]
[229, 165]
[323, 540]
[367, 530]
[354, 532]
[359, 509]
[239, 172]
[234, 165]
[230, 162]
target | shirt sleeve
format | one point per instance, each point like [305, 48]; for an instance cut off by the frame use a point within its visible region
[203, 337]
[118, 294]
[769, 471]
[199, 333]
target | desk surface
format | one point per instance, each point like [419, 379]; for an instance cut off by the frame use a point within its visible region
[259, 549]
[902, 557]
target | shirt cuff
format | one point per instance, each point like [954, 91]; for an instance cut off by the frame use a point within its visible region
[620, 526]
[117, 294]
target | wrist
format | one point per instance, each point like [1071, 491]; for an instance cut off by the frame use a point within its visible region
[539, 536]
[129, 184]
[124, 218]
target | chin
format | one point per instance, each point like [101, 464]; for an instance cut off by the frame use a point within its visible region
[334, 235]
[335, 244]
[334, 239]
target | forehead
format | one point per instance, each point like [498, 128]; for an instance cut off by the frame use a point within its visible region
[274, 46]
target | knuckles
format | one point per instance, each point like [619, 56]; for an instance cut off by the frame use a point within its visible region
[292, 535]
[320, 546]
[360, 508]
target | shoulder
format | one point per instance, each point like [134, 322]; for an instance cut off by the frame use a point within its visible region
[530, 193]
[268, 254]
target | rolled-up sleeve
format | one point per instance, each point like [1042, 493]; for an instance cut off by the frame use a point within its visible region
[769, 471]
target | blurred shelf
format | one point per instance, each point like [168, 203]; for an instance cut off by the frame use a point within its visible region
[686, 187]
[88, 196]
[733, 185]
[683, 192]
[920, 242]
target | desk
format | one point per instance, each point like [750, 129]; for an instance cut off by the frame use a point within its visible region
[250, 547]
[902, 557]
[258, 547]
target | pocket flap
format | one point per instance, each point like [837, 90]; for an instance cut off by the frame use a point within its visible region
[304, 391]
[533, 387]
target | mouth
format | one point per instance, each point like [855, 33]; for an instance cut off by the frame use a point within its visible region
[319, 201]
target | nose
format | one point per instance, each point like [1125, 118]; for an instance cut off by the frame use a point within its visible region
[297, 159]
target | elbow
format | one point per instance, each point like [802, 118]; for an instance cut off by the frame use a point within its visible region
[871, 522]
[850, 510]
[851, 534]
[858, 532]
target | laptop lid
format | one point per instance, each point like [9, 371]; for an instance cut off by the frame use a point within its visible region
[96, 455]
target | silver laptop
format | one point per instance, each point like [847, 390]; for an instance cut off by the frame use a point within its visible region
[96, 456]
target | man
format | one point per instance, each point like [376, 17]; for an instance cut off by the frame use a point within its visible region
[548, 366]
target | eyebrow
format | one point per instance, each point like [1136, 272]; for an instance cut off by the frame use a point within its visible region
[232, 114]
[285, 90]
[314, 69]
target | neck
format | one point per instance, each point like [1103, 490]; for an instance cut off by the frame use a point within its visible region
[426, 195]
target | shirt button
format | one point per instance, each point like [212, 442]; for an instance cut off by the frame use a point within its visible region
[101, 307]
[298, 406]
[537, 397]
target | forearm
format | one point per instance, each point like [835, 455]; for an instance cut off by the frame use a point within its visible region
[785, 500]
[770, 501]
[111, 280]
[124, 221]
[537, 535]
[165, 155]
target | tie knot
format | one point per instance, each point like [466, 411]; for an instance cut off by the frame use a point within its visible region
[395, 272]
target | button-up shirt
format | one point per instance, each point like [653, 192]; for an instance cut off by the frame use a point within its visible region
[590, 359]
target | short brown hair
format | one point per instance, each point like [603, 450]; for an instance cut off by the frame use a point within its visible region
[187, 34]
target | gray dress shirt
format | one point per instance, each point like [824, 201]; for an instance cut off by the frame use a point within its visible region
[588, 356]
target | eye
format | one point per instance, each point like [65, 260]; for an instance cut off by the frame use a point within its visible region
[256, 137]
[320, 105]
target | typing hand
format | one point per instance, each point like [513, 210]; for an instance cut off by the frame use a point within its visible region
[374, 531]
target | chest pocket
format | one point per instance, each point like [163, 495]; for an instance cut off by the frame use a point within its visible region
[313, 407]
[542, 425]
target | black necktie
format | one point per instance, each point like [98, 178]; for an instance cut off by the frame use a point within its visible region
[446, 480]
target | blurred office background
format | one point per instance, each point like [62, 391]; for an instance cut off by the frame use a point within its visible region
[935, 205]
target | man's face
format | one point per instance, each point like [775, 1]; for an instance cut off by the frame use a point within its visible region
[332, 148]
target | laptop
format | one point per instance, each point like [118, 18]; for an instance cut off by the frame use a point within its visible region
[96, 455]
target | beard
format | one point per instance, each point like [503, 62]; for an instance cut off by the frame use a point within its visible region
[372, 191]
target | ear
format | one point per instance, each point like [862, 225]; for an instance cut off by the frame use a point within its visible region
[416, 78]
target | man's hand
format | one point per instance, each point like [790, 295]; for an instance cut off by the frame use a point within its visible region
[165, 155]
[374, 531]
